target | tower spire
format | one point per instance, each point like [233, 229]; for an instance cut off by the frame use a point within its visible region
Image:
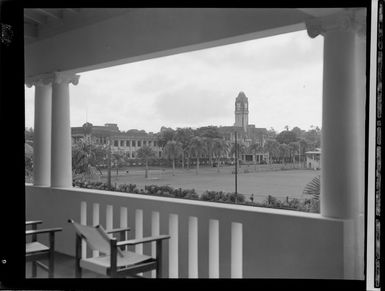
[241, 111]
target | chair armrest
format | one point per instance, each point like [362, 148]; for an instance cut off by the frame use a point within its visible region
[142, 240]
[46, 230]
[32, 222]
[115, 230]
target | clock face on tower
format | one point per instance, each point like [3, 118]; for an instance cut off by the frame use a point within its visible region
[238, 106]
[245, 105]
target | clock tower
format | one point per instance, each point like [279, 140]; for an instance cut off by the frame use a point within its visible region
[241, 111]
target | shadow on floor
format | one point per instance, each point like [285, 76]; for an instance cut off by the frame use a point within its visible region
[64, 268]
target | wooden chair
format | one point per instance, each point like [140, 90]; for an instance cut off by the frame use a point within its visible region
[36, 251]
[114, 261]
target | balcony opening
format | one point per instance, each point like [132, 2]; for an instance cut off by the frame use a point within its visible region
[170, 124]
[199, 144]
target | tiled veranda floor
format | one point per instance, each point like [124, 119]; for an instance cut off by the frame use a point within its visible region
[64, 268]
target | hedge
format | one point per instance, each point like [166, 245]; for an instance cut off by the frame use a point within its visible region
[307, 205]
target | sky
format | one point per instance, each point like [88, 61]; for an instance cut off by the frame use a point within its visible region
[280, 75]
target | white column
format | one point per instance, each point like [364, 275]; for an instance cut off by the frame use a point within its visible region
[343, 129]
[61, 168]
[359, 225]
[343, 111]
[42, 129]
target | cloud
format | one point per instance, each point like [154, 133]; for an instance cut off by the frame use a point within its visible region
[190, 105]
[152, 82]
[282, 51]
[281, 75]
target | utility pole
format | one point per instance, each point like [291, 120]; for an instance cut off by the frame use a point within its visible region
[109, 163]
[236, 167]
[299, 154]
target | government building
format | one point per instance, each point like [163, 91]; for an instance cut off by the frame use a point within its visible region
[131, 140]
[128, 142]
[247, 134]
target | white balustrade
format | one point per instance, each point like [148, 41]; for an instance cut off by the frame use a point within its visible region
[193, 247]
[124, 221]
[95, 221]
[173, 251]
[236, 250]
[83, 220]
[155, 227]
[210, 235]
[213, 248]
[139, 229]
[109, 217]
[173, 246]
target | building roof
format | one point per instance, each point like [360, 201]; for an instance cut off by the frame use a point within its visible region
[260, 130]
[111, 129]
[77, 130]
[94, 129]
[313, 152]
[241, 97]
[133, 134]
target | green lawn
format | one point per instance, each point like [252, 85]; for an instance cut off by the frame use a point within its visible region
[276, 183]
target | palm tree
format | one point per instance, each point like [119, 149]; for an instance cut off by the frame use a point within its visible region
[82, 157]
[145, 153]
[86, 158]
[220, 148]
[209, 144]
[197, 148]
[313, 188]
[186, 154]
[28, 161]
[294, 149]
[100, 153]
[118, 158]
[184, 136]
[272, 147]
[255, 148]
[284, 151]
[173, 150]
[302, 144]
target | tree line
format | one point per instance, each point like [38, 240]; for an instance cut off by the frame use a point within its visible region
[183, 145]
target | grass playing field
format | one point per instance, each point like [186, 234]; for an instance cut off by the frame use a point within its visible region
[280, 183]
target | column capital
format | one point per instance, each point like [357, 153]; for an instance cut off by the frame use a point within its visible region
[39, 80]
[351, 19]
[65, 77]
[49, 78]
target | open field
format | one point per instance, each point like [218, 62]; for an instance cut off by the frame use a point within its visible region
[276, 183]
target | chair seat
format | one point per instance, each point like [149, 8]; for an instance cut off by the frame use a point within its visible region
[101, 264]
[35, 247]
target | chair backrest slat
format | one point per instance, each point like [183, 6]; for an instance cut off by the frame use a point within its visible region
[96, 237]
[93, 238]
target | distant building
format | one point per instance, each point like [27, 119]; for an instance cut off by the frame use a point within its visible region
[131, 140]
[241, 111]
[313, 159]
[128, 142]
[247, 133]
